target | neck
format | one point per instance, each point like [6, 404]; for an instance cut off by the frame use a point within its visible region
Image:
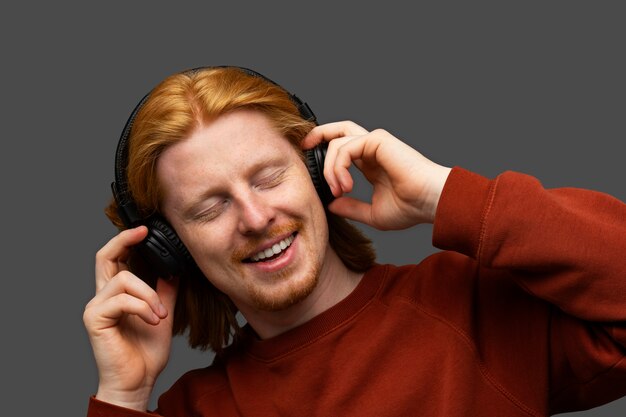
[336, 282]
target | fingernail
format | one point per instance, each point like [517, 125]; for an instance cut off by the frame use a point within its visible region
[162, 310]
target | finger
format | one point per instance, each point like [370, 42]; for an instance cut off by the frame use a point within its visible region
[352, 209]
[103, 315]
[329, 165]
[329, 131]
[167, 290]
[127, 283]
[353, 152]
[111, 257]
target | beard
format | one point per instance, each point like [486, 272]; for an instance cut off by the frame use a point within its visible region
[294, 292]
[289, 289]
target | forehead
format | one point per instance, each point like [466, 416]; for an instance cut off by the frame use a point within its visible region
[222, 150]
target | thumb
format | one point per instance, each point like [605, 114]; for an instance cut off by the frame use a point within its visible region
[352, 209]
[167, 289]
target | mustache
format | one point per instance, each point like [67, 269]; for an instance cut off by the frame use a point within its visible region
[248, 249]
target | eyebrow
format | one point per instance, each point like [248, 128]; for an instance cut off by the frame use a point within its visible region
[188, 211]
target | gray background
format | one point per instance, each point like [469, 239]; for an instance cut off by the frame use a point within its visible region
[537, 87]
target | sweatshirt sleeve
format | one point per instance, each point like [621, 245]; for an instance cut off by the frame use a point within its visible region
[566, 246]
[97, 408]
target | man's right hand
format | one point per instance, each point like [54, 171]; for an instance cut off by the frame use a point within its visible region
[129, 325]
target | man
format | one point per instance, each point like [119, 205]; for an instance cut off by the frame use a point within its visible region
[522, 313]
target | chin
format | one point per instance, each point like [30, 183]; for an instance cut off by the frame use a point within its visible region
[289, 293]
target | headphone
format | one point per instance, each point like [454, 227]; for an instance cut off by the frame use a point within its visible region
[162, 249]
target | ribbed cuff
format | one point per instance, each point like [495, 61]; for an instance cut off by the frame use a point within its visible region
[462, 208]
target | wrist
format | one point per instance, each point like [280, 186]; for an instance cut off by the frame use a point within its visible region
[438, 180]
[135, 400]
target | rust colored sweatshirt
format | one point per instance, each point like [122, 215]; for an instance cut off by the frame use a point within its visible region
[523, 313]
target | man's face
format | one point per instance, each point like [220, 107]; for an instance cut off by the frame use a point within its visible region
[241, 199]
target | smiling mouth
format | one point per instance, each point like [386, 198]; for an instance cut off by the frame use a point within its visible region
[275, 251]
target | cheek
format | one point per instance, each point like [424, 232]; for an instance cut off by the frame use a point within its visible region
[311, 204]
[204, 245]
[308, 204]
[308, 197]
[304, 185]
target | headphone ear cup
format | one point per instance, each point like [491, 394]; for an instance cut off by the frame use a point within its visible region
[315, 164]
[163, 249]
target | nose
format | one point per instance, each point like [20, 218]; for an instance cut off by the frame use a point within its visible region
[255, 214]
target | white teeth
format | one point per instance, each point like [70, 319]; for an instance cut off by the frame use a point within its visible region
[274, 250]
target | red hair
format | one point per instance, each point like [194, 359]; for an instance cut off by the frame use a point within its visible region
[174, 109]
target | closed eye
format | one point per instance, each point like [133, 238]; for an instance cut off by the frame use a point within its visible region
[272, 180]
[212, 212]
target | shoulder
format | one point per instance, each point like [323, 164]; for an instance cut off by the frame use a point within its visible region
[436, 276]
[193, 388]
